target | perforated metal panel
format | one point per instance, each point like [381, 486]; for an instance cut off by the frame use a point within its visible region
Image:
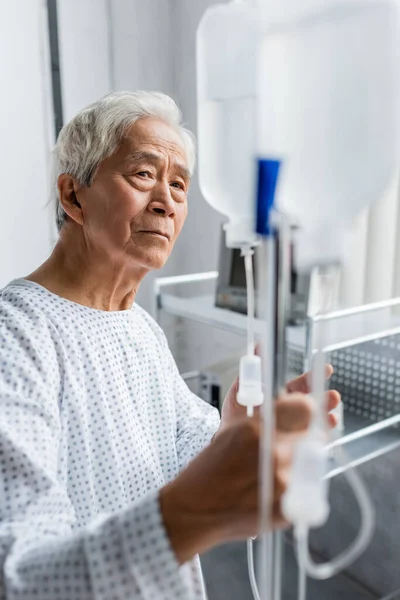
[368, 377]
[295, 361]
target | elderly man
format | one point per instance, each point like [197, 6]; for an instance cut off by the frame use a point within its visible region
[114, 476]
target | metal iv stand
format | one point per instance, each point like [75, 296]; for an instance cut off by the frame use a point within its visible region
[275, 280]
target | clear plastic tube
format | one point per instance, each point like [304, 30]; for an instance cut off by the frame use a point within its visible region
[328, 282]
[248, 263]
[302, 590]
[319, 427]
[252, 574]
[331, 568]
[309, 471]
[250, 392]
[278, 556]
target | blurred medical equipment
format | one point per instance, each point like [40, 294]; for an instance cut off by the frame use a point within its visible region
[231, 290]
[298, 125]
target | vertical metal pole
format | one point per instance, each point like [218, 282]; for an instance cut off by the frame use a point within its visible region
[267, 311]
[307, 360]
[277, 264]
[282, 309]
[282, 304]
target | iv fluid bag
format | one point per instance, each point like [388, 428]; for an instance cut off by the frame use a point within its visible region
[227, 46]
[282, 11]
[328, 103]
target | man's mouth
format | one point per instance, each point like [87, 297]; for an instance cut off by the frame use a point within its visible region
[157, 233]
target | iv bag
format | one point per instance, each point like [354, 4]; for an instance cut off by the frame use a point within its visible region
[227, 46]
[328, 111]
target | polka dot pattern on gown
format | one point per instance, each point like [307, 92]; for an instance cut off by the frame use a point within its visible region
[94, 420]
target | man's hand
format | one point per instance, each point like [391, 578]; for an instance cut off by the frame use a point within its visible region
[215, 499]
[232, 411]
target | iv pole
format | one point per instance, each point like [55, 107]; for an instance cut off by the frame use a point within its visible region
[274, 271]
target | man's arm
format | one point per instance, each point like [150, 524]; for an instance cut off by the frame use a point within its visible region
[197, 422]
[43, 552]
[216, 498]
[135, 552]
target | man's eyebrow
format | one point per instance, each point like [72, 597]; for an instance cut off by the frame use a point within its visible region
[183, 170]
[142, 155]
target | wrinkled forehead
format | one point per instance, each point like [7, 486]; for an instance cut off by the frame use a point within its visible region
[153, 136]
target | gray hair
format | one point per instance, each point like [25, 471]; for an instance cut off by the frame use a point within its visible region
[96, 132]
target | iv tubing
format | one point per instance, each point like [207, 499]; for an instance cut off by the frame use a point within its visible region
[331, 568]
[278, 552]
[250, 372]
[302, 590]
[252, 574]
[319, 422]
[248, 262]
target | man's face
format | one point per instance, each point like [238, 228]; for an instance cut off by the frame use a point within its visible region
[137, 204]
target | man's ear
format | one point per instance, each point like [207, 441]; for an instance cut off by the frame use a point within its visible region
[68, 188]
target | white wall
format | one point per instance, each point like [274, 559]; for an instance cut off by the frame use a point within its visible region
[142, 44]
[84, 47]
[25, 125]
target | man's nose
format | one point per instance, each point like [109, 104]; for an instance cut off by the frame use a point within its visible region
[162, 202]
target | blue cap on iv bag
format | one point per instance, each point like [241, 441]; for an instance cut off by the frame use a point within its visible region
[268, 171]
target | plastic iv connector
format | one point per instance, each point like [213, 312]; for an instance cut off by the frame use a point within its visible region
[305, 502]
[250, 392]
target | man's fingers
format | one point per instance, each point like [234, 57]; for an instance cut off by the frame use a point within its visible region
[302, 384]
[333, 399]
[235, 385]
[332, 421]
[293, 412]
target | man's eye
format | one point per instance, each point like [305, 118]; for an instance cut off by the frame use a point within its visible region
[178, 185]
[143, 173]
